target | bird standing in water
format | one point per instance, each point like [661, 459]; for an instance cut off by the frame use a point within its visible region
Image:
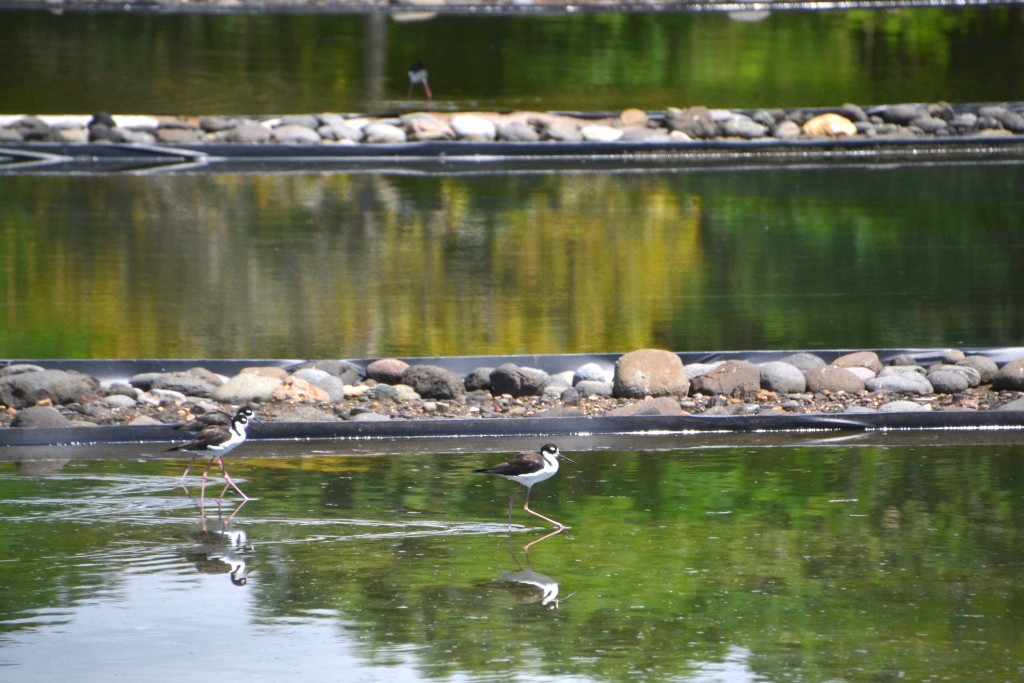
[417, 76]
[219, 440]
[528, 469]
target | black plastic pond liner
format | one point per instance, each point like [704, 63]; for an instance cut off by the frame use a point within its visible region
[121, 370]
[456, 157]
[533, 427]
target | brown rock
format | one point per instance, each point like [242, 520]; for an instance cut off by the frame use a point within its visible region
[832, 378]
[829, 126]
[649, 372]
[634, 118]
[729, 377]
[298, 389]
[386, 370]
[265, 371]
[860, 359]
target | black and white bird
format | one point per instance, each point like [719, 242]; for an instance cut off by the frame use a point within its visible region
[529, 468]
[214, 417]
[219, 440]
[418, 76]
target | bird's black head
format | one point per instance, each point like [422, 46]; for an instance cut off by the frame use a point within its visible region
[551, 450]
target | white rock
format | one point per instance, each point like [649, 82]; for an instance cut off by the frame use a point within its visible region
[599, 133]
[383, 133]
[473, 126]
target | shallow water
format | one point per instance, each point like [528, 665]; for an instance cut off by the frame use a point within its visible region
[742, 564]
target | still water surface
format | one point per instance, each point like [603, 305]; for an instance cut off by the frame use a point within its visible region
[737, 564]
[350, 266]
[276, 64]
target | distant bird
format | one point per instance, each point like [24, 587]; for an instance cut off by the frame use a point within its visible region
[418, 75]
[219, 440]
[528, 469]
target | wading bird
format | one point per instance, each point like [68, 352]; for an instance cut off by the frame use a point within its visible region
[219, 440]
[418, 75]
[528, 469]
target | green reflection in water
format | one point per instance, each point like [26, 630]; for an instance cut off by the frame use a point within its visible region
[789, 564]
[334, 265]
[80, 63]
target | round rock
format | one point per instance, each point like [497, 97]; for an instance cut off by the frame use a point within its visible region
[514, 380]
[387, 370]
[948, 382]
[804, 361]
[782, 378]
[650, 372]
[832, 378]
[900, 383]
[1010, 376]
[902, 407]
[247, 387]
[431, 381]
[40, 416]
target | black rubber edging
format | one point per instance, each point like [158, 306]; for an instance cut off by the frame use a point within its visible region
[454, 157]
[532, 427]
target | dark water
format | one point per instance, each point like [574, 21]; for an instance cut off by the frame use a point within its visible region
[781, 564]
[81, 63]
[337, 265]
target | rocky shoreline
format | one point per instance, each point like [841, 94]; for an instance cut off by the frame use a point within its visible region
[695, 124]
[641, 383]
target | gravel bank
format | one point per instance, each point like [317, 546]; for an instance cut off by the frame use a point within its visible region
[921, 122]
[639, 383]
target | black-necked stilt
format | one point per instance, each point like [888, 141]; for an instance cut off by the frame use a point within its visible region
[528, 469]
[418, 75]
[215, 417]
[219, 440]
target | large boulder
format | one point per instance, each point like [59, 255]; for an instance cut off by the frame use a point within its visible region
[387, 370]
[247, 387]
[1010, 376]
[732, 376]
[650, 372]
[59, 386]
[833, 379]
[783, 378]
[431, 381]
[40, 416]
[515, 380]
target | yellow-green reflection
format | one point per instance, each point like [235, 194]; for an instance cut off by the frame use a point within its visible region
[352, 266]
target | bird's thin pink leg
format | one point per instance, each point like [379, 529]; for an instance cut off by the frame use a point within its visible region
[187, 468]
[230, 483]
[526, 506]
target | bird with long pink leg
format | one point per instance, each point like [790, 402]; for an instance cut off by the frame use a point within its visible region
[529, 468]
[218, 439]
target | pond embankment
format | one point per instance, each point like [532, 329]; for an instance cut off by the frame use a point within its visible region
[904, 133]
[344, 398]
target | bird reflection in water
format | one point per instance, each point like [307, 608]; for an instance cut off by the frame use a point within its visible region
[217, 548]
[527, 586]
